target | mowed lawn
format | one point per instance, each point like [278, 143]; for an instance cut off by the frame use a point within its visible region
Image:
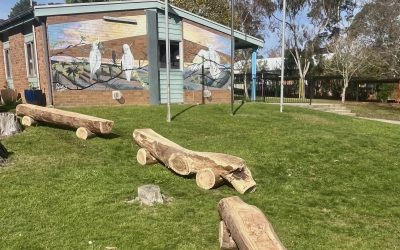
[324, 181]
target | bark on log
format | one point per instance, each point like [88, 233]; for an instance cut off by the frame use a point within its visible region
[225, 239]
[186, 162]
[84, 133]
[248, 226]
[207, 179]
[144, 157]
[242, 181]
[65, 118]
[28, 121]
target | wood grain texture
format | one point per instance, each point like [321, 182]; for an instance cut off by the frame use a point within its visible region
[28, 121]
[188, 162]
[66, 118]
[249, 227]
[84, 133]
[144, 157]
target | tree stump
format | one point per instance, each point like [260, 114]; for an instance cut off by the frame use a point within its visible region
[9, 124]
[150, 195]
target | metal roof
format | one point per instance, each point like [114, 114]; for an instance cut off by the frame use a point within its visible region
[242, 40]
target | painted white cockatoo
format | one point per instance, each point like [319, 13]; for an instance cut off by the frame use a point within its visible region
[94, 59]
[127, 61]
[215, 62]
[212, 61]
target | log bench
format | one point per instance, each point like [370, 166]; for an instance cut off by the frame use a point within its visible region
[211, 169]
[87, 126]
[244, 226]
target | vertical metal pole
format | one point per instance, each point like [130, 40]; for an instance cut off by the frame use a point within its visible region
[283, 52]
[232, 56]
[167, 61]
[202, 82]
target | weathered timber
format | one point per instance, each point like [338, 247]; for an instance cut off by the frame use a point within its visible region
[66, 118]
[9, 124]
[144, 157]
[28, 121]
[248, 225]
[225, 239]
[206, 178]
[84, 133]
[186, 162]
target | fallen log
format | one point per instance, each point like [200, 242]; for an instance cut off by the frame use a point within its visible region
[66, 118]
[84, 133]
[225, 238]
[28, 121]
[143, 157]
[187, 162]
[248, 226]
[206, 178]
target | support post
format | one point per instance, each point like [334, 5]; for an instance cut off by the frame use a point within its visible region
[253, 74]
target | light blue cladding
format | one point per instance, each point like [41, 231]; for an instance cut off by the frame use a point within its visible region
[176, 86]
[175, 27]
[253, 74]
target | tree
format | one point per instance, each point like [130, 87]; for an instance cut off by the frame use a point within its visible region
[305, 38]
[19, 7]
[378, 24]
[348, 57]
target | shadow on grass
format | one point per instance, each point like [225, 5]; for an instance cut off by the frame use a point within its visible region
[239, 107]
[182, 111]
[8, 107]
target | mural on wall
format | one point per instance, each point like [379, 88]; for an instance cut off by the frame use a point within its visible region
[99, 54]
[208, 50]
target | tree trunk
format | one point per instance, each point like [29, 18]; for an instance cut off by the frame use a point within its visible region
[144, 157]
[65, 118]
[28, 121]
[344, 91]
[206, 178]
[248, 226]
[225, 239]
[186, 162]
[84, 133]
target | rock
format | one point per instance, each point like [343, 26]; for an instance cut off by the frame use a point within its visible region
[150, 195]
[9, 124]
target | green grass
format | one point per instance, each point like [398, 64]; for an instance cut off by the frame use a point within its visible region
[324, 181]
[376, 110]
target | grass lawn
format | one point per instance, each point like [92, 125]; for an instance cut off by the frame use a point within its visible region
[376, 110]
[324, 181]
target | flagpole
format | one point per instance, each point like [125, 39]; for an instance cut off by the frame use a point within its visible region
[283, 53]
[167, 61]
[232, 58]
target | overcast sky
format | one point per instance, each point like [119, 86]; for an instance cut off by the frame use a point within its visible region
[6, 5]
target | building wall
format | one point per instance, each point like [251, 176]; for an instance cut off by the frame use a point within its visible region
[90, 54]
[209, 50]
[2, 68]
[218, 96]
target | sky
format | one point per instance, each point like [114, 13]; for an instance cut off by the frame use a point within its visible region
[6, 5]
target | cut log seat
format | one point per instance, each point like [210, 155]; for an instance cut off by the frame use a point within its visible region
[247, 225]
[211, 169]
[65, 118]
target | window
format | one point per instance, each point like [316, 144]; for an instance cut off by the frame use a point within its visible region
[30, 59]
[7, 63]
[175, 55]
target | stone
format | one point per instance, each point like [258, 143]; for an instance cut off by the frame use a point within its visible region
[150, 195]
[9, 124]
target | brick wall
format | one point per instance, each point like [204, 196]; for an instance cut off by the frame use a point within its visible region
[99, 97]
[2, 68]
[217, 96]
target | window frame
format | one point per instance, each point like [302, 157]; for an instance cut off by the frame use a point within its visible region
[179, 63]
[32, 50]
[7, 64]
